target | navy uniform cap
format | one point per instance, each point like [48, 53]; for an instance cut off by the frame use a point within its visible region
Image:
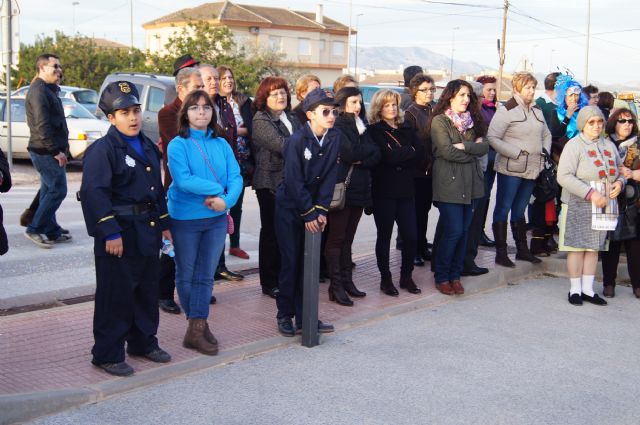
[118, 95]
[317, 97]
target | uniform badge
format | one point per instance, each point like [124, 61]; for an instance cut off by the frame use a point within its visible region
[307, 154]
[129, 161]
[124, 88]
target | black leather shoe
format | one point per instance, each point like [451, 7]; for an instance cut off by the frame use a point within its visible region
[285, 327]
[323, 328]
[115, 369]
[609, 291]
[213, 300]
[594, 300]
[475, 271]
[272, 292]
[226, 274]
[418, 261]
[158, 355]
[485, 241]
[575, 299]
[169, 306]
[426, 254]
[406, 282]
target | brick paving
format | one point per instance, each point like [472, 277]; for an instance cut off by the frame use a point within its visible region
[50, 349]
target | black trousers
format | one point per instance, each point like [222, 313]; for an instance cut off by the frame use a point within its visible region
[290, 230]
[126, 307]
[167, 283]
[401, 211]
[268, 251]
[236, 214]
[611, 258]
[344, 224]
[423, 198]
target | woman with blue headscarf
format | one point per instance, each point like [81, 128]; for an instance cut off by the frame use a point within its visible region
[563, 123]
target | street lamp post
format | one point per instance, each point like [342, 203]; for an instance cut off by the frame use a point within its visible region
[356, 67]
[453, 41]
[74, 4]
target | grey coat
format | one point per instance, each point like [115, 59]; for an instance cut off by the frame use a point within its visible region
[268, 139]
[457, 174]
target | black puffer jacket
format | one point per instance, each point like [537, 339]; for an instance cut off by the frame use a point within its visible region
[356, 148]
[5, 185]
[45, 118]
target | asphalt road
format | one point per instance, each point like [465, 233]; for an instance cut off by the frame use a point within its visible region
[517, 355]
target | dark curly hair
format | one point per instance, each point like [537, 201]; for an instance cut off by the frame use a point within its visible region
[450, 91]
[610, 126]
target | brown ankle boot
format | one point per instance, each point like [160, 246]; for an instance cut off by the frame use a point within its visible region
[194, 338]
[500, 236]
[208, 335]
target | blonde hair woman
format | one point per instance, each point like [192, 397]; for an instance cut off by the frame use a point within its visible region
[393, 187]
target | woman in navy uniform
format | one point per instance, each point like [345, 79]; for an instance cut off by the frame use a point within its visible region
[125, 211]
[302, 200]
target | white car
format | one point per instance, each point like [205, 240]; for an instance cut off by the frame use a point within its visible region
[84, 127]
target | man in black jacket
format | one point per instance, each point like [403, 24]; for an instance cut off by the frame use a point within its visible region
[5, 185]
[48, 145]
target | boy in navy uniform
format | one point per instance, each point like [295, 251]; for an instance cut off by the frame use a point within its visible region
[125, 210]
[302, 201]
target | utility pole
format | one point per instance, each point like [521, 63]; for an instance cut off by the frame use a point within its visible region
[6, 15]
[131, 48]
[349, 38]
[453, 43]
[355, 71]
[502, 47]
[586, 54]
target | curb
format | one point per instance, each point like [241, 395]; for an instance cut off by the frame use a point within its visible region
[17, 408]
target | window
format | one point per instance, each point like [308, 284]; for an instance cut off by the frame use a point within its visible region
[156, 99]
[18, 111]
[304, 47]
[323, 45]
[337, 48]
[275, 43]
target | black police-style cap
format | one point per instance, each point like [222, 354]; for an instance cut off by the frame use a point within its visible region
[118, 95]
[185, 61]
[317, 97]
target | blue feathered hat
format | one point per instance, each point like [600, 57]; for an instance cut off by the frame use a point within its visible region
[563, 83]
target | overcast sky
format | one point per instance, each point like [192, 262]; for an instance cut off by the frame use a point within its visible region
[549, 33]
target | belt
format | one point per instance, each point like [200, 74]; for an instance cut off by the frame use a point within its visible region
[133, 209]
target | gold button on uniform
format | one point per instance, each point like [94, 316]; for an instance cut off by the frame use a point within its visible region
[152, 224]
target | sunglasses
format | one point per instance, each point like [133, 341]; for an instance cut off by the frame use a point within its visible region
[623, 121]
[326, 112]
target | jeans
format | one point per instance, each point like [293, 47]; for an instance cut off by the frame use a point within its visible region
[53, 190]
[198, 244]
[513, 195]
[452, 240]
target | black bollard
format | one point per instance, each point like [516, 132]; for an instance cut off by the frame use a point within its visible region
[310, 336]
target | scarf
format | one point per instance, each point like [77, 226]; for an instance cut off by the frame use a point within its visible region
[462, 122]
[488, 103]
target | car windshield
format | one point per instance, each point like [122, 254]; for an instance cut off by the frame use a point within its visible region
[86, 96]
[75, 110]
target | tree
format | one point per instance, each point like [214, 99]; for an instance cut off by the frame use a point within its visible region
[83, 63]
[217, 46]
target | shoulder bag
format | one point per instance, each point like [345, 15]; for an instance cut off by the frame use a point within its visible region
[230, 224]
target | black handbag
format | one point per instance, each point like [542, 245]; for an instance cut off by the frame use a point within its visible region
[546, 187]
[627, 227]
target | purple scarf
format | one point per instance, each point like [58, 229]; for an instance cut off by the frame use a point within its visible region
[462, 122]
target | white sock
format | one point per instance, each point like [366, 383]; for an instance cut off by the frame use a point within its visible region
[587, 285]
[575, 285]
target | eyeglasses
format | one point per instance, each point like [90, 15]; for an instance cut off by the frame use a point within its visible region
[196, 108]
[430, 90]
[280, 93]
[326, 112]
[55, 66]
[627, 121]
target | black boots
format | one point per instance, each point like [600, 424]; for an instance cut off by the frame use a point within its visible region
[500, 235]
[347, 274]
[539, 243]
[519, 229]
[387, 287]
[336, 288]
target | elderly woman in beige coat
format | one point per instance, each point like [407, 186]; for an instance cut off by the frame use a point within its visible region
[585, 158]
[518, 133]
